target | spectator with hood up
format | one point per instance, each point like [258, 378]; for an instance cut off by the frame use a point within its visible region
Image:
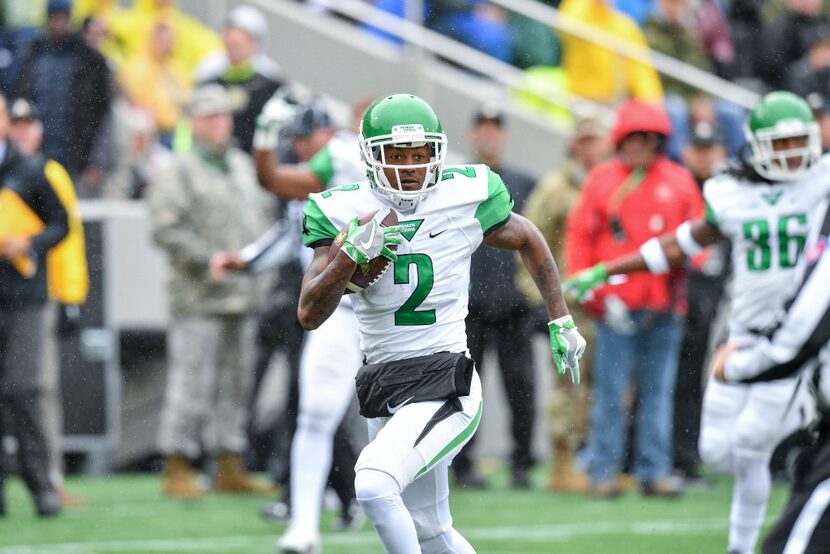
[636, 195]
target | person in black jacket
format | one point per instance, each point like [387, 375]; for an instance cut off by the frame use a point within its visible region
[243, 68]
[499, 314]
[71, 84]
[32, 220]
[788, 38]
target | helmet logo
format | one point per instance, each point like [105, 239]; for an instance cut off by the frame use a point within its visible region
[790, 126]
[413, 134]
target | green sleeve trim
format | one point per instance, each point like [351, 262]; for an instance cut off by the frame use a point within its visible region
[322, 165]
[710, 214]
[317, 229]
[496, 209]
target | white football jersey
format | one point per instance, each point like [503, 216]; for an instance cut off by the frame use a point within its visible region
[336, 164]
[339, 162]
[419, 305]
[767, 224]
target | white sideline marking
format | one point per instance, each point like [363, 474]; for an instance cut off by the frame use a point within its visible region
[532, 533]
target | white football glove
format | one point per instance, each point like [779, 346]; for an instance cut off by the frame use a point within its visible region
[566, 346]
[276, 114]
[366, 242]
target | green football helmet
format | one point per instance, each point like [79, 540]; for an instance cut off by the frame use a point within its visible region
[781, 115]
[405, 121]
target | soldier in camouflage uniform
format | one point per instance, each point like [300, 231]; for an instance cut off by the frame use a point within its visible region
[208, 200]
[548, 207]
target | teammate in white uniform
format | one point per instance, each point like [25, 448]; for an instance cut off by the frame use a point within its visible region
[413, 316]
[326, 381]
[764, 208]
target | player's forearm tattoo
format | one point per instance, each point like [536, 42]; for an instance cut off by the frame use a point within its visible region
[546, 277]
[322, 291]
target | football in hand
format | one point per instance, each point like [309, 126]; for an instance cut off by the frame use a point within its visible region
[366, 274]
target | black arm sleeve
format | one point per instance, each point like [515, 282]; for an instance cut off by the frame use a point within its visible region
[43, 199]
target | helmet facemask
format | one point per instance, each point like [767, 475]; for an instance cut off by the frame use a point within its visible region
[773, 164]
[404, 136]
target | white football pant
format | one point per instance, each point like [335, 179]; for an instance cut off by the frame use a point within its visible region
[404, 487]
[330, 359]
[741, 425]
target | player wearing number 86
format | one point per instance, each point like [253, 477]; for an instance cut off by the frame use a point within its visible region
[418, 389]
[763, 205]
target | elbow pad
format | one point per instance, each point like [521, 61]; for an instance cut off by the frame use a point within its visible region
[654, 257]
[686, 241]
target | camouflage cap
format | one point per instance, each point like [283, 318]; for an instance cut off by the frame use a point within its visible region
[588, 126]
[211, 99]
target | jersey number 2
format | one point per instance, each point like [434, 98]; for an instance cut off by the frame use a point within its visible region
[408, 314]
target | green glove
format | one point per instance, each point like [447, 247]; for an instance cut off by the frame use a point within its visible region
[566, 346]
[366, 242]
[583, 284]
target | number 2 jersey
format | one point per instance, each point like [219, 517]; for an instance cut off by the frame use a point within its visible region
[767, 223]
[419, 305]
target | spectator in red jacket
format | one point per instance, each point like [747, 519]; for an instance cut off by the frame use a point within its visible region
[637, 195]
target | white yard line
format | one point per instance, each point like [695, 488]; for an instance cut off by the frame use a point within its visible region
[530, 533]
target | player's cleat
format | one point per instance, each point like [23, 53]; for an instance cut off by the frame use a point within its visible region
[351, 519]
[278, 511]
[296, 541]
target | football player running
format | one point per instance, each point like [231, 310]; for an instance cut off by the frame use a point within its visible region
[418, 388]
[326, 381]
[763, 205]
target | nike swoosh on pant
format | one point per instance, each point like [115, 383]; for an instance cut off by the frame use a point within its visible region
[394, 409]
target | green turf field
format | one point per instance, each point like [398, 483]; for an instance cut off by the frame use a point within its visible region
[127, 514]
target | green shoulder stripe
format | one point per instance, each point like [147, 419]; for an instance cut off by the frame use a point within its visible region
[710, 214]
[322, 165]
[498, 205]
[316, 226]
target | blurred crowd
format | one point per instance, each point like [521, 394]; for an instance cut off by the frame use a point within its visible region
[766, 45]
[145, 102]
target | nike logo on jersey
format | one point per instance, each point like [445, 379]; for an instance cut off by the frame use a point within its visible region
[433, 235]
[392, 410]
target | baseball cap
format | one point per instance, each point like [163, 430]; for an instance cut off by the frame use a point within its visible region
[705, 134]
[588, 126]
[209, 100]
[23, 109]
[249, 19]
[488, 112]
[55, 6]
[311, 116]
